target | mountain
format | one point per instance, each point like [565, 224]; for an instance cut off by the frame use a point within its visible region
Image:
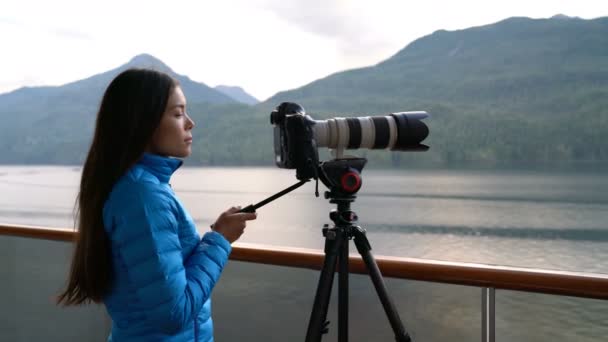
[519, 90]
[237, 93]
[195, 92]
[89, 90]
[480, 65]
[54, 124]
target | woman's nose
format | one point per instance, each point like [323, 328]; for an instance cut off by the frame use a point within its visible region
[190, 123]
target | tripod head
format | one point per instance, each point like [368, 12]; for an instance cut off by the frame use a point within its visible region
[342, 177]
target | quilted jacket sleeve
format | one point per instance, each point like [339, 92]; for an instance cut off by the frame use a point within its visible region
[170, 290]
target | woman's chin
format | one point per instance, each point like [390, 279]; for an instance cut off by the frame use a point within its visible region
[186, 153]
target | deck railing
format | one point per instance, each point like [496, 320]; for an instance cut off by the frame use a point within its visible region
[488, 277]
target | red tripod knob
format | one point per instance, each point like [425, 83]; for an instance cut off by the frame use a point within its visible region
[351, 181]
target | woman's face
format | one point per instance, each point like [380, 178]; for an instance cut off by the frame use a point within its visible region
[173, 137]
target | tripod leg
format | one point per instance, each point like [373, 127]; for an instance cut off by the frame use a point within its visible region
[343, 291]
[364, 249]
[316, 324]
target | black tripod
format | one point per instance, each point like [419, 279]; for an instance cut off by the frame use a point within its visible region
[343, 178]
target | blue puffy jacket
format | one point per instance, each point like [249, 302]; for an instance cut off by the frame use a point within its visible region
[163, 271]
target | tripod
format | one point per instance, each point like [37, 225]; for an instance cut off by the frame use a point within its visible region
[343, 178]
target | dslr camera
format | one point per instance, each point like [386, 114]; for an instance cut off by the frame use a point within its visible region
[297, 136]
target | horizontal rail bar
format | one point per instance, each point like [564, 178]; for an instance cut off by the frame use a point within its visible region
[577, 284]
[36, 232]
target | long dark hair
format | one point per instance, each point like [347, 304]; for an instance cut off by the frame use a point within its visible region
[130, 111]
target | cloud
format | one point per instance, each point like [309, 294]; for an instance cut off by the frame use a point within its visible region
[45, 28]
[69, 33]
[352, 25]
[326, 18]
[8, 20]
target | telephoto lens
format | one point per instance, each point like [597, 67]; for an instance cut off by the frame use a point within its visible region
[398, 132]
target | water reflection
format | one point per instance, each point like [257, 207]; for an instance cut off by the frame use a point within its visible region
[521, 218]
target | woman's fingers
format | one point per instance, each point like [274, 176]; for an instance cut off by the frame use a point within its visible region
[233, 210]
[245, 216]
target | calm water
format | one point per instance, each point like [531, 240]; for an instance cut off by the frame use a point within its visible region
[547, 219]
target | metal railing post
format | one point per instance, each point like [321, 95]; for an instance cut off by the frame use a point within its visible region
[487, 314]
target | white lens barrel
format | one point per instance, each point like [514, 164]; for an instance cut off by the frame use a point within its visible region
[372, 132]
[368, 132]
[321, 132]
[343, 133]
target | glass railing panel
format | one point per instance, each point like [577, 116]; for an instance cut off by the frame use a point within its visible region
[254, 302]
[33, 272]
[533, 317]
[270, 303]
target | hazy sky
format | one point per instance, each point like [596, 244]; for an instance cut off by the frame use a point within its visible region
[264, 46]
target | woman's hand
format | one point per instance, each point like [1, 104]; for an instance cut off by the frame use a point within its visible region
[231, 223]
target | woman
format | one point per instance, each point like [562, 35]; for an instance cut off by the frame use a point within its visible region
[138, 251]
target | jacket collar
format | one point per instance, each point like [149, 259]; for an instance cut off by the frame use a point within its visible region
[161, 167]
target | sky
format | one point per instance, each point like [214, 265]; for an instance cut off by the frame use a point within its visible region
[263, 46]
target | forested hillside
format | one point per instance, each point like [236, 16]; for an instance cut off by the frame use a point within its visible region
[519, 90]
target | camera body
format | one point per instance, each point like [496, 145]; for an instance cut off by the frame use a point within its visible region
[294, 140]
